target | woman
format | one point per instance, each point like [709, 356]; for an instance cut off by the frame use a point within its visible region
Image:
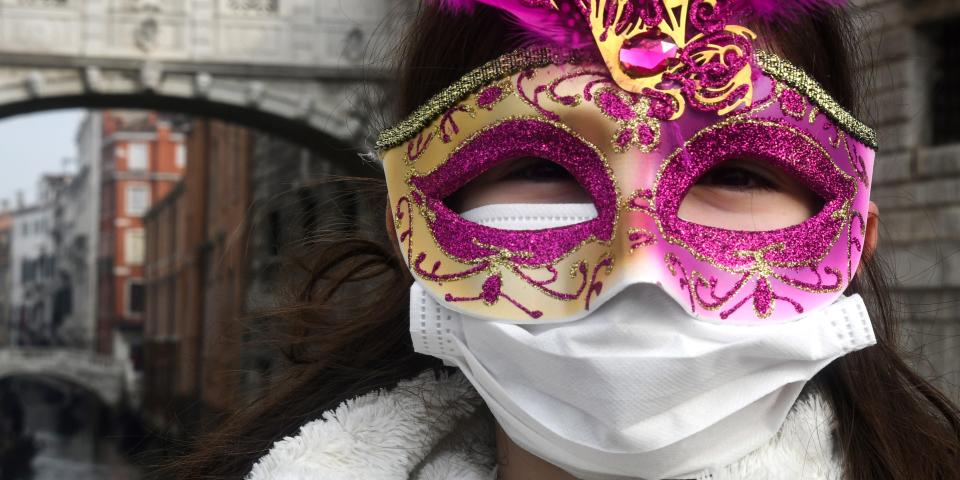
[640, 242]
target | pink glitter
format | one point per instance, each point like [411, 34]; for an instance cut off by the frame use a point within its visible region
[731, 275]
[613, 105]
[793, 102]
[624, 137]
[645, 134]
[491, 288]
[489, 96]
[507, 140]
[796, 154]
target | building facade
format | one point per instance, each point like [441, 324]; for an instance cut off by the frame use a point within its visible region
[912, 65]
[6, 230]
[76, 227]
[196, 274]
[218, 259]
[31, 260]
[143, 156]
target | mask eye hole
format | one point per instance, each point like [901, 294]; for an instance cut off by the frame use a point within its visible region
[747, 194]
[526, 179]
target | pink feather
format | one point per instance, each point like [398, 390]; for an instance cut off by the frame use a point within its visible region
[456, 6]
[537, 21]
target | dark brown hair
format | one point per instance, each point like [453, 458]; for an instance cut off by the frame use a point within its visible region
[349, 324]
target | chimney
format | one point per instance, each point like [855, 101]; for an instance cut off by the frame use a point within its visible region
[20, 201]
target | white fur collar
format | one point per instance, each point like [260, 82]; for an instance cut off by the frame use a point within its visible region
[428, 429]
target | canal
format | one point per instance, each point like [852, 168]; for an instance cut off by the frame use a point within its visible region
[51, 430]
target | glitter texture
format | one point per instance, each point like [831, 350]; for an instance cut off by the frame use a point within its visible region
[790, 150]
[510, 139]
[663, 105]
[503, 66]
[654, 149]
[793, 76]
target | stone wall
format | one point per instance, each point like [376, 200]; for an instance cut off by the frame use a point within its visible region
[917, 178]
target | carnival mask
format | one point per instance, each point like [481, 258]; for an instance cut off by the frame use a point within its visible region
[667, 93]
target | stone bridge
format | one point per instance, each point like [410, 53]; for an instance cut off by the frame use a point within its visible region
[296, 68]
[104, 376]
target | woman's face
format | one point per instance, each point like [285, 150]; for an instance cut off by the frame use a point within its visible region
[752, 215]
[739, 194]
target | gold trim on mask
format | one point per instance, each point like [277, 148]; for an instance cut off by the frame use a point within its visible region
[523, 59]
[501, 67]
[801, 81]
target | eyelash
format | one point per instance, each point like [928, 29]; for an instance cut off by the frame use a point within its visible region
[538, 170]
[533, 169]
[754, 180]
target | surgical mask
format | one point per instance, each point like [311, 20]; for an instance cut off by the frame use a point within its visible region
[627, 341]
[639, 388]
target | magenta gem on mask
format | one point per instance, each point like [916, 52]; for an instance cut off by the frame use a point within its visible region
[647, 54]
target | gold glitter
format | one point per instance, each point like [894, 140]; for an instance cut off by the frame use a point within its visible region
[696, 279]
[835, 141]
[503, 66]
[554, 294]
[801, 81]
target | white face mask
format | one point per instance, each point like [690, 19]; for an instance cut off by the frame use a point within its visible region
[638, 388]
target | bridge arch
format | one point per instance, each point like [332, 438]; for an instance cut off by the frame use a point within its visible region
[104, 376]
[293, 68]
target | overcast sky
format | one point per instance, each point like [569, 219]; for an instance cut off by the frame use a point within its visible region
[33, 144]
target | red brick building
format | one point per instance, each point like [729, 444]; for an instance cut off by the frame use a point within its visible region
[196, 273]
[144, 156]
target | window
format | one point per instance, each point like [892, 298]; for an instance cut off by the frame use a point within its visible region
[133, 246]
[26, 271]
[180, 155]
[136, 297]
[945, 81]
[138, 157]
[138, 199]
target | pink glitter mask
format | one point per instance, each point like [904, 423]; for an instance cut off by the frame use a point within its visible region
[636, 155]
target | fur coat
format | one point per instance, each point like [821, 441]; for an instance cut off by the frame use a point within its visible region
[437, 429]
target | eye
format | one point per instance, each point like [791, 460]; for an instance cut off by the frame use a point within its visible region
[503, 163]
[520, 180]
[534, 169]
[738, 176]
[749, 195]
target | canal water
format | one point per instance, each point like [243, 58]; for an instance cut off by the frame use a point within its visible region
[55, 431]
